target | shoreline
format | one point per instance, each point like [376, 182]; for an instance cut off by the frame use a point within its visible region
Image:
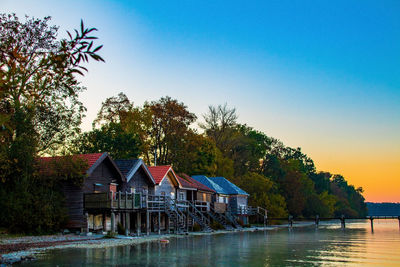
[35, 245]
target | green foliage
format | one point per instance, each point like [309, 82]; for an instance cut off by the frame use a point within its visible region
[216, 225]
[39, 109]
[120, 229]
[110, 138]
[110, 235]
[196, 227]
[280, 178]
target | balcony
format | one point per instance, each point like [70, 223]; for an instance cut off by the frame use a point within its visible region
[115, 201]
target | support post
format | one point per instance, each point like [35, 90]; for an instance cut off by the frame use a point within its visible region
[343, 222]
[127, 223]
[87, 222]
[167, 223]
[290, 221]
[372, 223]
[112, 222]
[399, 221]
[159, 222]
[147, 223]
[138, 222]
[104, 222]
[119, 199]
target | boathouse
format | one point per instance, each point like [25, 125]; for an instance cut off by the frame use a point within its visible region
[103, 178]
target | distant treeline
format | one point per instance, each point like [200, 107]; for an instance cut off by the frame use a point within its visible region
[383, 209]
[40, 114]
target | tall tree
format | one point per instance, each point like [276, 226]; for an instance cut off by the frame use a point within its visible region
[170, 123]
[39, 105]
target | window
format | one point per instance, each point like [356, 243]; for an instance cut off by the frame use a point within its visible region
[163, 193]
[181, 196]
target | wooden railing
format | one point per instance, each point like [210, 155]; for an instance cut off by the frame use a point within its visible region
[110, 200]
[203, 206]
[219, 207]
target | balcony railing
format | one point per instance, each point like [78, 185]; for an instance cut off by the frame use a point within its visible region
[111, 200]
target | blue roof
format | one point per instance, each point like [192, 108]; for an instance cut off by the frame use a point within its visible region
[229, 187]
[207, 182]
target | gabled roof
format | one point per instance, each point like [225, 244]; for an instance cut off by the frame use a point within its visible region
[93, 160]
[209, 183]
[129, 167]
[185, 184]
[126, 165]
[159, 172]
[197, 184]
[228, 186]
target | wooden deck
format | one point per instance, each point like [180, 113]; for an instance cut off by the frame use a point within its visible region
[114, 201]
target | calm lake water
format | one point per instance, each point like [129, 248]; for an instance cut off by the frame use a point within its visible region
[327, 245]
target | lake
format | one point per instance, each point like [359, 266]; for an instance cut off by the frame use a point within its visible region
[327, 245]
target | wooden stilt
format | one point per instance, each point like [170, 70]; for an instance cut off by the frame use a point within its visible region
[147, 223]
[138, 223]
[372, 223]
[127, 224]
[343, 222]
[112, 222]
[87, 222]
[159, 222]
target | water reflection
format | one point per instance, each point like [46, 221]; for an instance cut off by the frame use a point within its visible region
[328, 245]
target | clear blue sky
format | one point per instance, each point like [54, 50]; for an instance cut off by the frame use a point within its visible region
[322, 75]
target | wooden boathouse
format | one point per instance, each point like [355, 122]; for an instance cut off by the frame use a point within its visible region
[130, 196]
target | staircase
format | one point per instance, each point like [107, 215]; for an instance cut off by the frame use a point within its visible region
[199, 217]
[232, 220]
[176, 218]
[219, 218]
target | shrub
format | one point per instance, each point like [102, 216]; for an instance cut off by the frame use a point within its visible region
[216, 226]
[196, 227]
[121, 229]
[110, 235]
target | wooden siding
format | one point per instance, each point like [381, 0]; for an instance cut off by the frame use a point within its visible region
[203, 196]
[167, 186]
[104, 174]
[140, 181]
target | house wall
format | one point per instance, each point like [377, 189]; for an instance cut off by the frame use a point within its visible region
[166, 187]
[104, 174]
[203, 196]
[140, 181]
[236, 201]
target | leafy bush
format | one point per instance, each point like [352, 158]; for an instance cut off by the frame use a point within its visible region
[110, 235]
[196, 227]
[216, 226]
[120, 229]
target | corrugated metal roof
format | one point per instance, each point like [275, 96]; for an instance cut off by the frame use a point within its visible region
[197, 184]
[228, 186]
[209, 183]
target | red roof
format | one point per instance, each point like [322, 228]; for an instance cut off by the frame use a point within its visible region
[90, 158]
[196, 184]
[159, 172]
[185, 183]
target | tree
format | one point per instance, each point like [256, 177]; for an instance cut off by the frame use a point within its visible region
[220, 125]
[39, 105]
[170, 123]
[113, 110]
[110, 138]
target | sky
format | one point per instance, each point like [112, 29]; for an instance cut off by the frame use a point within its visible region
[320, 75]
